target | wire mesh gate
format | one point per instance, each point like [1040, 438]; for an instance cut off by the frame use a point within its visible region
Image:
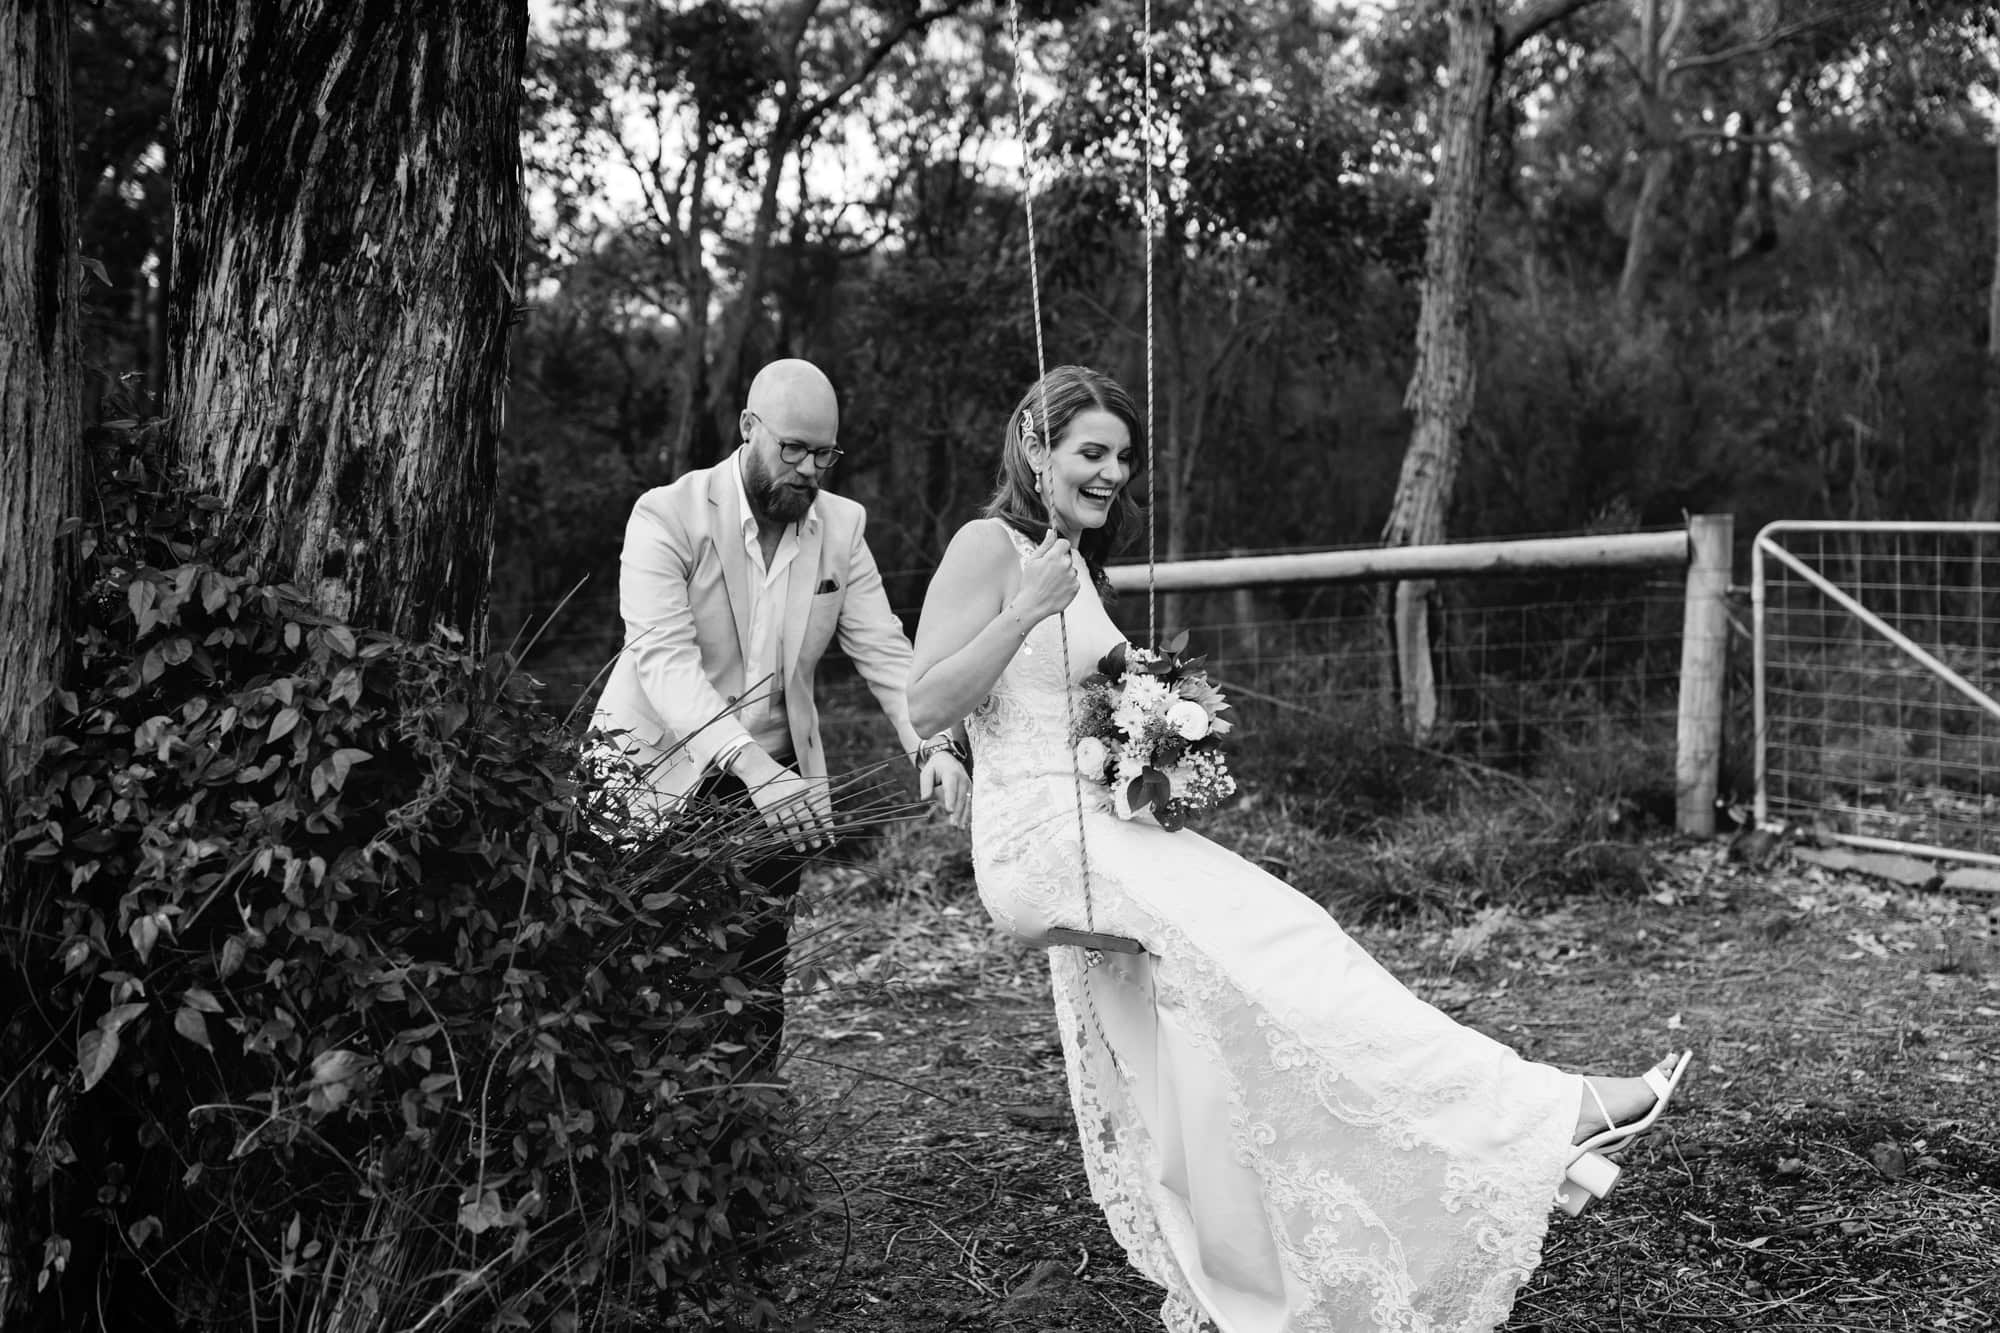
[1877, 662]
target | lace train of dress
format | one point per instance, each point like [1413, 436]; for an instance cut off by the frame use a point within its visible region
[1279, 1133]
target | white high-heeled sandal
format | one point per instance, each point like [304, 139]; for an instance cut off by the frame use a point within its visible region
[1591, 1172]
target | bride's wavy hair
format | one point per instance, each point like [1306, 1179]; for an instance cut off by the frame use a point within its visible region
[1070, 390]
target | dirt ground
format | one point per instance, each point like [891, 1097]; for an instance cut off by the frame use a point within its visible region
[1833, 1163]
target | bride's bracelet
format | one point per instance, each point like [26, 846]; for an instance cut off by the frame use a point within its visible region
[944, 742]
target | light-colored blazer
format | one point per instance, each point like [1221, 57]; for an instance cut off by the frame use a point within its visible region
[683, 593]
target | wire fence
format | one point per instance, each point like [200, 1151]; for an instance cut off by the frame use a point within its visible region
[1529, 670]
[1881, 656]
[1533, 670]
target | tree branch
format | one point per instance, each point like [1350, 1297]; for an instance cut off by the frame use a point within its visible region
[1531, 18]
[1773, 140]
[1765, 42]
[647, 174]
[887, 42]
[1675, 22]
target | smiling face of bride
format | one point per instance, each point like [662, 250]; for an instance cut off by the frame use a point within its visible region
[1083, 475]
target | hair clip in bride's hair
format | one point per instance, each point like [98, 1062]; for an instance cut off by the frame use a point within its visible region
[1029, 438]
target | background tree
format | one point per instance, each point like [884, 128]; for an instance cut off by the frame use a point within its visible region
[708, 109]
[39, 447]
[1807, 272]
[39, 365]
[1274, 206]
[348, 227]
[1441, 389]
[343, 279]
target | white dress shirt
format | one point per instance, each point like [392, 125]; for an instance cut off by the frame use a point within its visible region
[763, 711]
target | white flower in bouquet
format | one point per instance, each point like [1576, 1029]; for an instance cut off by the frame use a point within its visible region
[1091, 757]
[1188, 719]
[1201, 690]
[1141, 698]
[1201, 778]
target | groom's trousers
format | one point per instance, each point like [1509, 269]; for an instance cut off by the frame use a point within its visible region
[760, 1028]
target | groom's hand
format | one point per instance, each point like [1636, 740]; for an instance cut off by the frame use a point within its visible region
[795, 807]
[944, 780]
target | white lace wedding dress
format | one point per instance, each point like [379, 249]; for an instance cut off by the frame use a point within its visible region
[1280, 1134]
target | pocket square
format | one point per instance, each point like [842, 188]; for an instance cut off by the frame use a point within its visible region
[826, 586]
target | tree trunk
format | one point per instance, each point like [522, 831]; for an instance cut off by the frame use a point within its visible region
[692, 409]
[1441, 386]
[739, 317]
[1658, 136]
[39, 442]
[1986, 505]
[1639, 239]
[348, 221]
[39, 364]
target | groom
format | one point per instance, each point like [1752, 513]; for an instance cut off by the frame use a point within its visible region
[732, 582]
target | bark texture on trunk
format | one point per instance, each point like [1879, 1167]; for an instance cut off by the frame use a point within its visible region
[348, 222]
[1441, 386]
[1440, 393]
[39, 444]
[39, 363]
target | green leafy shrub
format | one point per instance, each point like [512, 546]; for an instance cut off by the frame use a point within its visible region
[340, 998]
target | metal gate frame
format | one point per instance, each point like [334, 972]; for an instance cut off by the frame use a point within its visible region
[1766, 544]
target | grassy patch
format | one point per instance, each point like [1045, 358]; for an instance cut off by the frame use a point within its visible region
[1374, 828]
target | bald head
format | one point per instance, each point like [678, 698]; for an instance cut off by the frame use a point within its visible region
[796, 399]
[791, 408]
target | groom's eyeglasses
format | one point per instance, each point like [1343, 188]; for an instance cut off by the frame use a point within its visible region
[794, 454]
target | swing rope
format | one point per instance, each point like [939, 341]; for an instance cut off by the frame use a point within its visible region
[1146, 55]
[1042, 432]
[1092, 956]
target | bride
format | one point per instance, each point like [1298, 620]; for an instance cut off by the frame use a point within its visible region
[1280, 1135]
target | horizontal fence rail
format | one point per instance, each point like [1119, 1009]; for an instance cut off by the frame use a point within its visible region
[1461, 559]
[1553, 644]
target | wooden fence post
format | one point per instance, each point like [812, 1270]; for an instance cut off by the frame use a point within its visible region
[1704, 661]
[1249, 644]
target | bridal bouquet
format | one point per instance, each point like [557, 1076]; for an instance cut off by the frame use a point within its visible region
[1150, 727]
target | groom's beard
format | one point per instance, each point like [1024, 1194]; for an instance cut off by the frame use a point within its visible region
[781, 501]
